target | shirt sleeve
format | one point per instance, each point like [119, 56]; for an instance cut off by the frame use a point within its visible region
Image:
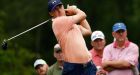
[132, 55]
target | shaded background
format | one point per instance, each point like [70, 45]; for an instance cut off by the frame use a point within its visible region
[19, 15]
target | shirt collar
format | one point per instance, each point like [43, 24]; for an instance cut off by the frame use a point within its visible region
[58, 66]
[94, 53]
[126, 44]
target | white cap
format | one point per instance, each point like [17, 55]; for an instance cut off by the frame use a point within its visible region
[39, 61]
[57, 47]
[97, 34]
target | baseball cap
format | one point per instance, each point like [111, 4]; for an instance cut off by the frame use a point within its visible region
[118, 26]
[97, 34]
[39, 62]
[57, 48]
[52, 4]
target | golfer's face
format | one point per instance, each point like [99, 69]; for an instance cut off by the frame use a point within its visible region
[58, 11]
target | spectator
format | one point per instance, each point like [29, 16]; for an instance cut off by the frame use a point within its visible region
[121, 56]
[56, 68]
[41, 67]
[77, 58]
[98, 43]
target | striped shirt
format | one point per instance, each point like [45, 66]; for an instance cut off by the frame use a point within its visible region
[129, 53]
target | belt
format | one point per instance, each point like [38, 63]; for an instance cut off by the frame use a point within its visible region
[88, 63]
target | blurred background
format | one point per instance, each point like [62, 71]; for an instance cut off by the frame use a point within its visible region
[18, 15]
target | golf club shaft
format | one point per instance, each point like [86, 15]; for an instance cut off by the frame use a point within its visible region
[27, 30]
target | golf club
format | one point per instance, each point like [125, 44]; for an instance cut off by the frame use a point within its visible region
[5, 41]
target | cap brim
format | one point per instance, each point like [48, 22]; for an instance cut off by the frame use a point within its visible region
[38, 65]
[119, 29]
[98, 38]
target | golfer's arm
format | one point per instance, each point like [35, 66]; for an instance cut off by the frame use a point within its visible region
[79, 16]
[85, 28]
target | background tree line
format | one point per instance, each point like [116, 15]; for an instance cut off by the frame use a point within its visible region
[19, 15]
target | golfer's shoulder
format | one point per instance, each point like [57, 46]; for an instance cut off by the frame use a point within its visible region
[61, 19]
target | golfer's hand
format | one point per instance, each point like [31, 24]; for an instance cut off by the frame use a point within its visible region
[71, 10]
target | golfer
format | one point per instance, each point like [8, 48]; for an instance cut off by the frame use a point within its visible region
[69, 34]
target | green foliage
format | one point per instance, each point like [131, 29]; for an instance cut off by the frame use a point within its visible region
[16, 62]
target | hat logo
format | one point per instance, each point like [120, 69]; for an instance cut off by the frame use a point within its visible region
[97, 36]
[53, 2]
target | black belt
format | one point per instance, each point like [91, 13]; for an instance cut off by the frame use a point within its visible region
[88, 63]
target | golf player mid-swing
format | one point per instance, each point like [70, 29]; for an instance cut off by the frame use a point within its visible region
[70, 37]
